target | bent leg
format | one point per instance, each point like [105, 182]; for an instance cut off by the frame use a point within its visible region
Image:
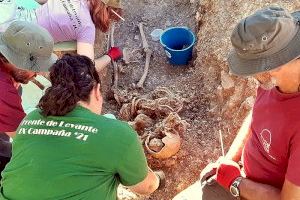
[211, 191]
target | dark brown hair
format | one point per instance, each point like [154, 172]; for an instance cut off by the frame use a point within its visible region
[72, 77]
[102, 15]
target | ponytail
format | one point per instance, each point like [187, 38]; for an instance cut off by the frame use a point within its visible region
[102, 15]
[72, 77]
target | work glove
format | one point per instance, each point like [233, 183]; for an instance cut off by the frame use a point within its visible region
[162, 179]
[227, 172]
[115, 53]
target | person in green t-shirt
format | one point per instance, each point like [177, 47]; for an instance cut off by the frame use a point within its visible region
[67, 150]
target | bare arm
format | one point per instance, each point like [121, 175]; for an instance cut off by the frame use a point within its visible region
[102, 62]
[87, 49]
[236, 149]
[148, 185]
[290, 191]
[251, 190]
[11, 134]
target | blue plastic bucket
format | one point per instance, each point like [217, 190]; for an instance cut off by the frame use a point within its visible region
[178, 43]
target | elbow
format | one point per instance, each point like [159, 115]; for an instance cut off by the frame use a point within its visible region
[147, 186]
[148, 190]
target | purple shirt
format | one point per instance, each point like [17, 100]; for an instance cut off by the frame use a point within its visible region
[67, 20]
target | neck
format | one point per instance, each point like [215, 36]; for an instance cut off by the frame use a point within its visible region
[85, 105]
[90, 107]
[290, 88]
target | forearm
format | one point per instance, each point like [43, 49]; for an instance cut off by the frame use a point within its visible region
[148, 185]
[236, 149]
[102, 62]
[251, 190]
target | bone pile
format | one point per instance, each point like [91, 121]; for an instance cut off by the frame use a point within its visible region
[155, 117]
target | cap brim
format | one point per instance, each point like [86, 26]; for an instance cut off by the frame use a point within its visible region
[246, 67]
[46, 63]
[21, 60]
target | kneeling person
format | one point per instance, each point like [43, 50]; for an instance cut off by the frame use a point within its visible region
[67, 150]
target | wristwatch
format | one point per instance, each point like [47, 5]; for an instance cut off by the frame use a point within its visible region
[234, 188]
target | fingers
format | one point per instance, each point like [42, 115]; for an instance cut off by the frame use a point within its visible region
[208, 171]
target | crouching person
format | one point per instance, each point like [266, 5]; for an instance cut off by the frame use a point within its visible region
[25, 48]
[67, 150]
[266, 47]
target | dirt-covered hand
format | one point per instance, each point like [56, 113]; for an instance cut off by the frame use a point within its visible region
[23, 76]
[19, 75]
[227, 172]
[115, 53]
[162, 179]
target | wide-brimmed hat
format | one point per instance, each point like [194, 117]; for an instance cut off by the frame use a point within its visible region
[27, 46]
[113, 3]
[264, 41]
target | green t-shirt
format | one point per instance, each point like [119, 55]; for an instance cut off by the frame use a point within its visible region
[78, 156]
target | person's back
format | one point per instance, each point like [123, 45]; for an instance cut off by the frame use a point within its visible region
[66, 150]
[72, 157]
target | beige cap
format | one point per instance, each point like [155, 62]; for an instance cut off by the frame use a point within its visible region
[28, 46]
[113, 3]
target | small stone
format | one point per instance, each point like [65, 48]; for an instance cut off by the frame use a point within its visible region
[136, 37]
[226, 81]
[168, 23]
[169, 163]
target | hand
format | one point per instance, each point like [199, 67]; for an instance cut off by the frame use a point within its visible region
[18, 75]
[210, 170]
[162, 179]
[227, 172]
[23, 76]
[115, 53]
